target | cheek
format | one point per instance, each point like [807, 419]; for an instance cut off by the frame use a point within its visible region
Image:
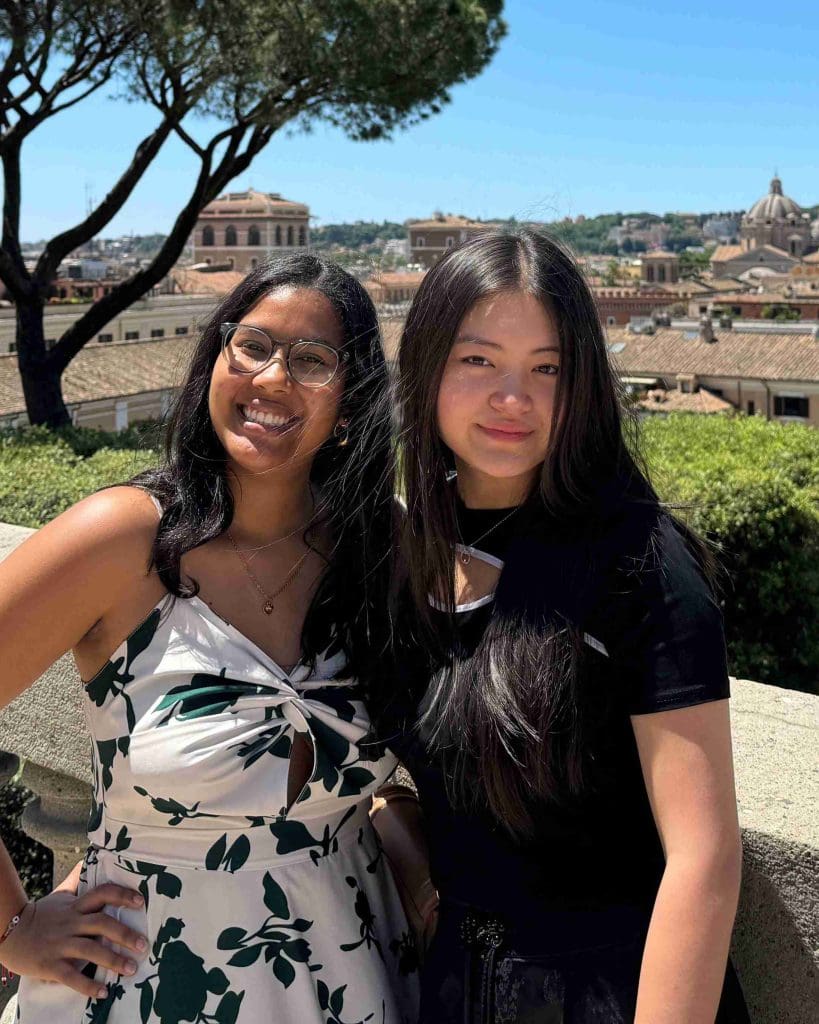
[458, 396]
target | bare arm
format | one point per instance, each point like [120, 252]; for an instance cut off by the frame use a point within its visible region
[54, 588]
[688, 771]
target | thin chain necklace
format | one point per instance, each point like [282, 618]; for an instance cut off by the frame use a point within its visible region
[268, 605]
[278, 540]
[464, 556]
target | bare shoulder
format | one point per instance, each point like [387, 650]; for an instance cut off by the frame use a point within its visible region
[115, 527]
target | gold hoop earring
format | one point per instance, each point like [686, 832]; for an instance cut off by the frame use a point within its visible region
[341, 432]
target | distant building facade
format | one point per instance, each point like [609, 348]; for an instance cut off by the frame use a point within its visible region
[239, 230]
[617, 306]
[163, 317]
[430, 239]
[660, 267]
[395, 287]
[775, 234]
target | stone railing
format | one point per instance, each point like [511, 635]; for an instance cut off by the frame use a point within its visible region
[775, 733]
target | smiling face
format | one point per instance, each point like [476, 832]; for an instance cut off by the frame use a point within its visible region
[497, 396]
[266, 422]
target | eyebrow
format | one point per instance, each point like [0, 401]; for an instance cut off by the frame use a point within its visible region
[296, 337]
[474, 339]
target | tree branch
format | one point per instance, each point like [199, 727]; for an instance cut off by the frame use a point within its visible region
[208, 185]
[59, 246]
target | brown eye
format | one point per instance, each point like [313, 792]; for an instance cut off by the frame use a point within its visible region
[548, 369]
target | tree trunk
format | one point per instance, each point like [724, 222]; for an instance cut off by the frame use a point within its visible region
[40, 377]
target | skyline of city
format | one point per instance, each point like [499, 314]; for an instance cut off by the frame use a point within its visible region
[605, 110]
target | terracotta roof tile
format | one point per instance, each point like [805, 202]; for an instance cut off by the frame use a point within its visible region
[725, 252]
[763, 356]
[203, 282]
[674, 400]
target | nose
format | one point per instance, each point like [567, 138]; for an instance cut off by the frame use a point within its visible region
[511, 394]
[275, 372]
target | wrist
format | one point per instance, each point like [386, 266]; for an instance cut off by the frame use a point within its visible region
[13, 921]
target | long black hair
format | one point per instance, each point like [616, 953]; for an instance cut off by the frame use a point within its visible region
[512, 714]
[354, 481]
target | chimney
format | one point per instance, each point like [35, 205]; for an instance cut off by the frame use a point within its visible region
[706, 329]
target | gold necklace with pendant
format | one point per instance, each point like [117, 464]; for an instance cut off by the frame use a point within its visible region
[268, 605]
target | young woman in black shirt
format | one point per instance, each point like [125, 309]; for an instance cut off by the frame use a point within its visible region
[564, 702]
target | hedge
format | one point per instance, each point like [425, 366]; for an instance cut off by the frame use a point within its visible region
[752, 488]
[44, 473]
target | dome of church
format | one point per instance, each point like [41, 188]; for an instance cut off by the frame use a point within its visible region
[774, 206]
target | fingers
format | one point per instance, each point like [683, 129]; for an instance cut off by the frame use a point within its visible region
[95, 953]
[109, 894]
[113, 930]
[67, 975]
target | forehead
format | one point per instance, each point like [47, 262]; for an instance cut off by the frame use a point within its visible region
[511, 316]
[290, 312]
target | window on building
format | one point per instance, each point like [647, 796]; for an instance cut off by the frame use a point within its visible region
[649, 273]
[12, 346]
[157, 332]
[751, 407]
[302, 236]
[230, 235]
[132, 335]
[611, 321]
[289, 234]
[207, 235]
[180, 330]
[278, 235]
[105, 337]
[420, 242]
[661, 274]
[450, 241]
[253, 236]
[786, 405]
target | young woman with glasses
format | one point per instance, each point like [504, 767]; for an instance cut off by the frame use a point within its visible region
[565, 710]
[227, 613]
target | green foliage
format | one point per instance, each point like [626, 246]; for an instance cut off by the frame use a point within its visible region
[773, 311]
[693, 263]
[353, 236]
[42, 473]
[753, 490]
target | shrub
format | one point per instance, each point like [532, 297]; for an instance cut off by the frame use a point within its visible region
[752, 488]
[43, 473]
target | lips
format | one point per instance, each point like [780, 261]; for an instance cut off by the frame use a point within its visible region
[505, 432]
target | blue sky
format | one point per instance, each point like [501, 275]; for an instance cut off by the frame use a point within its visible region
[588, 108]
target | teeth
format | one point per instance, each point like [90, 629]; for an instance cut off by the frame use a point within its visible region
[267, 419]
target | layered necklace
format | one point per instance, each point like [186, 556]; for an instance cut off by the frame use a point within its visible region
[268, 605]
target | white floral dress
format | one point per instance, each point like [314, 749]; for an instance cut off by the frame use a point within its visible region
[255, 913]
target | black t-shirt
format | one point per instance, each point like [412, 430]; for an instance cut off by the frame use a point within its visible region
[653, 642]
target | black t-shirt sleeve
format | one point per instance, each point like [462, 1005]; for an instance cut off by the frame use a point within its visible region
[668, 647]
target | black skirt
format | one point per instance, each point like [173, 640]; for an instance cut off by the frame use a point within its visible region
[481, 969]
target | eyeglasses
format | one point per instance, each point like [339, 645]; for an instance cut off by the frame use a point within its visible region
[309, 363]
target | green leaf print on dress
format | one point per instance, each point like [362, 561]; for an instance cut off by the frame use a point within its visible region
[181, 987]
[177, 812]
[294, 835]
[110, 681]
[278, 941]
[206, 694]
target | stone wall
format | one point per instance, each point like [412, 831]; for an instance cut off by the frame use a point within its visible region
[775, 733]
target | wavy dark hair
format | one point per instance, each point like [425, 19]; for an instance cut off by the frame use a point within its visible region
[512, 713]
[355, 481]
